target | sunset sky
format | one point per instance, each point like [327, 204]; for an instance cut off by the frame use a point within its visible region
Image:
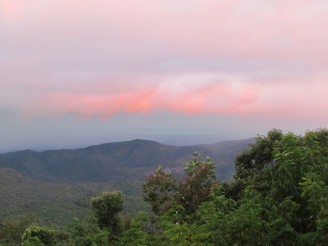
[79, 72]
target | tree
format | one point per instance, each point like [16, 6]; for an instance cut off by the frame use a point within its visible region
[36, 235]
[251, 164]
[11, 230]
[280, 194]
[87, 233]
[160, 190]
[106, 207]
[279, 197]
[139, 231]
[302, 174]
[163, 192]
[198, 184]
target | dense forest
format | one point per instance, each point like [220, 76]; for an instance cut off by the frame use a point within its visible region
[278, 196]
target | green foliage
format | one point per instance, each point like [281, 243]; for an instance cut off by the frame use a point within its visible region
[314, 190]
[35, 235]
[198, 185]
[11, 230]
[87, 233]
[302, 175]
[279, 196]
[229, 224]
[106, 207]
[139, 231]
[160, 190]
[56, 204]
[33, 241]
[163, 192]
[175, 203]
[176, 227]
[251, 165]
[57, 185]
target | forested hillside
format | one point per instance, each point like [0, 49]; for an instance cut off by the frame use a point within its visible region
[55, 186]
[278, 196]
[117, 161]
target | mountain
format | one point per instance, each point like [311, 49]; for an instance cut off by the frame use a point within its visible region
[117, 161]
[56, 185]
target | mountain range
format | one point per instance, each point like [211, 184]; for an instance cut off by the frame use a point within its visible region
[118, 161]
[53, 183]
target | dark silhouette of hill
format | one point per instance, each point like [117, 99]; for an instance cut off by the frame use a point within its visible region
[118, 161]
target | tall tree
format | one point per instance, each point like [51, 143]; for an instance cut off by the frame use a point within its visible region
[198, 184]
[163, 192]
[106, 207]
[160, 190]
[251, 165]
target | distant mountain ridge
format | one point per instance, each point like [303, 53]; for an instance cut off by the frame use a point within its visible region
[118, 161]
[57, 185]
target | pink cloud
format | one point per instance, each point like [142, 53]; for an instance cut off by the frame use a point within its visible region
[190, 94]
[61, 56]
[175, 94]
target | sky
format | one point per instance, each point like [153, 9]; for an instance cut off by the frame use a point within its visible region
[78, 72]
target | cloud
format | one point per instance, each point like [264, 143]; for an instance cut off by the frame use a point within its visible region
[100, 59]
[185, 94]
[189, 94]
